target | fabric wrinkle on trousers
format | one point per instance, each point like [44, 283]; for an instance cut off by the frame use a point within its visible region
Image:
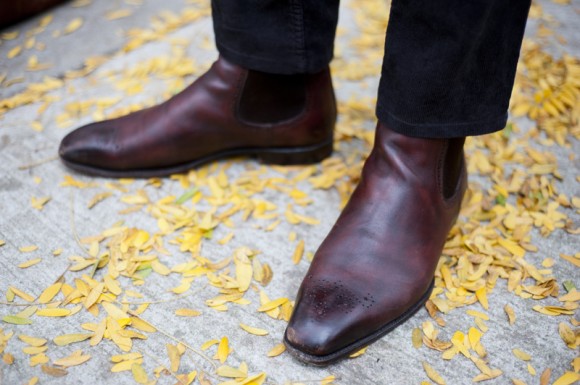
[448, 69]
[276, 36]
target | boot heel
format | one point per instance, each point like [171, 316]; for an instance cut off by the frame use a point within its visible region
[297, 155]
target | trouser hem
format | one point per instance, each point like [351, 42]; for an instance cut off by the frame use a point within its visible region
[440, 130]
[270, 65]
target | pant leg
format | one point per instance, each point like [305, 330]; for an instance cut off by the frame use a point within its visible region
[276, 36]
[449, 66]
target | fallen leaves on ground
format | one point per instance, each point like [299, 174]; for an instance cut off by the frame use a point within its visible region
[516, 199]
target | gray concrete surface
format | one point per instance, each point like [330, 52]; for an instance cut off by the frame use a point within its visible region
[392, 360]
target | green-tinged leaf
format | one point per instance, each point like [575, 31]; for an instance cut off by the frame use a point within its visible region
[142, 274]
[13, 319]
[186, 195]
[569, 286]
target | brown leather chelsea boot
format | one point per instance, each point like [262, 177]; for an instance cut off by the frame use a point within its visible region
[375, 268]
[228, 111]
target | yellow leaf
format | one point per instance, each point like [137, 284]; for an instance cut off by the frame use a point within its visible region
[572, 296]
[174, 357]
[9, 295]
[226, 239]
[32, 341]
[38, 203]
[521, 355]
[141, 238]
[550, 108]
[298, 252]
[458, 341]
[272, 304]
[38, 359]
[208, 344]
[49, 293]
[31, 350]
[223, 350]
[520, 109]
[126, 357]
[417, 338]
[475, 313]
[119, 14]
[124, 343]
[114, 311]
[73, 360]
[474, 336]
[73, 25]
[142, 325]
[112, 285]
[187, 313]
[25, 296]
[277, 350]
[307, 220]
[568, 336]
[481, 365]
[572, 260]
[29, 263]
[124, 366]
[510, 313]
[206, 222]
[228, 371]
[512, 247]
[244, 270]
[67, 339]
[8, 358]
[98, 198]
[481, 295]
[358, 353]
[160, 268]
[450, 353]
[447, 278]
[543, 310]
[14, 52]
[253, 330]
[53, 312]
[94, 295]
[432, 374]
[428, 329]
[328, 380]
[99, 332]
[183, 287]
[139, 374]
[28, 249]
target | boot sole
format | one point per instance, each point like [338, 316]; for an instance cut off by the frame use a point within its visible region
[268, 155]
[357, 345]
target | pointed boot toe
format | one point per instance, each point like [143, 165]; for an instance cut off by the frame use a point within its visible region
[335, 317]
[91, 146]
[328, 319]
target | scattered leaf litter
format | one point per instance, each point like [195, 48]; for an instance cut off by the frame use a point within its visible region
[490, 242]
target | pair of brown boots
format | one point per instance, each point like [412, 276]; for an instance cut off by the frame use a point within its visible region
[376, 266]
